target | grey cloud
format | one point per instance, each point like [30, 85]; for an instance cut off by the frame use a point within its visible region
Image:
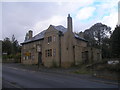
[19, 17]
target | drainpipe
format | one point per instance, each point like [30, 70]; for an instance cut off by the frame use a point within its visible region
[60, 34]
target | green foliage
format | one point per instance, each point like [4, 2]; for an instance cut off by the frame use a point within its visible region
[104, 66]
[115, 42]
[96, 34]
[82, 70]
[98, 37]
[107, 67]
[106, 51]
[4, 57]
[12, 48]
[7, 46]
[16, 56]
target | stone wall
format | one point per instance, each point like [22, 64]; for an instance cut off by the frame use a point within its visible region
[29, 53]
[66, 49]
[54, 45]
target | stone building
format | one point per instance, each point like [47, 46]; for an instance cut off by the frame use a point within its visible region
[57, 46]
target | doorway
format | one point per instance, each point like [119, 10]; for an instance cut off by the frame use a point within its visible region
[39, 58]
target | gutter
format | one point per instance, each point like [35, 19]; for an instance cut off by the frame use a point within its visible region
[31, 41]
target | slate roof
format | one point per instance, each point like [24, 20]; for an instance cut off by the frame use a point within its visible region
[60, 28]
[40, 35]
[80, 38]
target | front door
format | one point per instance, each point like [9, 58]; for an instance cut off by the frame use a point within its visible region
[39, 58]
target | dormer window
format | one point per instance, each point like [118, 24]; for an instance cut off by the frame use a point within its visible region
[49, 39]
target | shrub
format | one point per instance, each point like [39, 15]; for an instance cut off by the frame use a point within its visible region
[15, 58]
[112, 68]
[82, 70]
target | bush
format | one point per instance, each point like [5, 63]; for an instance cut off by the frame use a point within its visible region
[82, 70]
[112, 68]
[101, 67]
[4, 57]
[16, 58]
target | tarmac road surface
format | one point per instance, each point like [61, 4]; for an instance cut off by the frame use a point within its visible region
[21, 78]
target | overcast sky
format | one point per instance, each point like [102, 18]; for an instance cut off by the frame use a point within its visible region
[19, 17]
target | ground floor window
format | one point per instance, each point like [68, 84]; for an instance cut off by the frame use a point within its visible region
[32, 57]
[24, 58]
[54, 52]
[48, 53]
[27, 56]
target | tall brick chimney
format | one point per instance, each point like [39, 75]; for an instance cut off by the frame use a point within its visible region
[30, 34]
[69, 23]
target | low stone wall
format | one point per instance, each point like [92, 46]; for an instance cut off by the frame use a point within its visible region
[11, 61]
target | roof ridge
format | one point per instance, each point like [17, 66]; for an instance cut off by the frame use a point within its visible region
[40, 35]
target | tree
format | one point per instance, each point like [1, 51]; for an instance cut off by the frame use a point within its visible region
[6, 46]
[98, 37]
[96, 34]
[15, 45]
[106, 51]
[11, 47]
[115, 42]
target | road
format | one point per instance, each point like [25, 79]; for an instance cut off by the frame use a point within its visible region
[22, 78]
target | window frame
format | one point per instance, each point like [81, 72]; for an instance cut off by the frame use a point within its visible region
[48, 53]
[49, 39]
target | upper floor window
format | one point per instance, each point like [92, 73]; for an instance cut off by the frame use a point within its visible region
[50, 39]
[54, 38]
[38, 49]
